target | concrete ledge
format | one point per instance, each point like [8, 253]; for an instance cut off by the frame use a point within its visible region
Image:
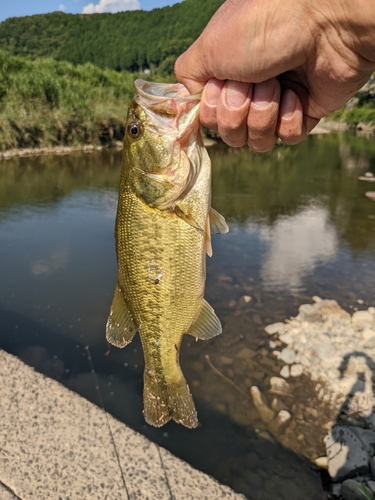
[54, 444]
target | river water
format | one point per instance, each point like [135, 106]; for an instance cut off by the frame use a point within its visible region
[300, 225]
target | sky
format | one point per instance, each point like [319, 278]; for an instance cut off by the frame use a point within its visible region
[27, 8]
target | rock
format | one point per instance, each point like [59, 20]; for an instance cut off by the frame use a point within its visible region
[316, 299]
[369, 174]
[265, 413]
[296, 370]
[324, 351]
[322, 462]
[371, 486]
[351, 489]
[224, 360]
[288, 355]
[360, 301]
[347, 457]
[368, 334]
[368, 179]
[371, 195]
[371, 310]
[286, 338]
[247, 298]
[245, 353]
[282, 419]
[362, 317]
[330, 309]
[278, 384]
[307, 312]
[272, 344]
[275, 328]
[284, 372]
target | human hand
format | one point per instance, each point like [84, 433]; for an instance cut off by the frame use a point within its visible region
[273, 68]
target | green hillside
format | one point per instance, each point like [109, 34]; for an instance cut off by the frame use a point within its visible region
[128, 41]
[49, 103]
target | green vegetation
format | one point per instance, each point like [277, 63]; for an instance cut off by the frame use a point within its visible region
[67, 79]
[50, 103]
[127, 41]
[361, 108]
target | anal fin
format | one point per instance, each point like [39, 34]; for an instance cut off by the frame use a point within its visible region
[120, 325]
[207, 324]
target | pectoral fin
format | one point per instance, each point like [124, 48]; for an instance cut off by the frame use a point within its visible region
[207, 324]
[120, 325]
[217, 223]
[187, 218]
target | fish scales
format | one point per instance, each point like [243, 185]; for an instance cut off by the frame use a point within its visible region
[161, 240]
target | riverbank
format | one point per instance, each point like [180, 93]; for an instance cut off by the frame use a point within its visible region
[335, 350]
[56, 444]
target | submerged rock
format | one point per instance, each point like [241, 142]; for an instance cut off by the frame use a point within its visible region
[275, 328]
[265, 413]
[351, 489]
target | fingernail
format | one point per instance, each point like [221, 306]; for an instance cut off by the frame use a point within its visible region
[288, 104]
[263, 93]
[236, 93]
[212, 91]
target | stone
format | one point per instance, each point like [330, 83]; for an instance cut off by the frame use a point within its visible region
[296, 370]
[347, 457]
[371, 195]
[245, 353]
[368, 334]
[322, 462]
[247, 298]
[316, 299]
[286, 338]
[275, 328]
[371, 310]
[265, 413]
[351, 489]
[282, 419]
[288, 355]
[285, 372]
[324, 351]
[371, 486]
[278, 384]
[330, 309]
[307, 312]
[362, 317]
[369, 174]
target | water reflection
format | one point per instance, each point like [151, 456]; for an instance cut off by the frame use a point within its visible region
[295, 247]
[300, 225]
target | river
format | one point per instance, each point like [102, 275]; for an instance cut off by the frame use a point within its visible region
[300, 225]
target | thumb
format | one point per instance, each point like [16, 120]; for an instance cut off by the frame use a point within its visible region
[190, 70]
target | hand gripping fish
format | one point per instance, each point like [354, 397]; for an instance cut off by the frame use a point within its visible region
[163, 227]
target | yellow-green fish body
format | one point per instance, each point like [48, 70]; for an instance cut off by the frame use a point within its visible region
[162, 235]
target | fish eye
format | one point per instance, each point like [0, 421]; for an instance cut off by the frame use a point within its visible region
[135, 129]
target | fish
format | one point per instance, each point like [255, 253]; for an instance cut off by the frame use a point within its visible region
[163, 232]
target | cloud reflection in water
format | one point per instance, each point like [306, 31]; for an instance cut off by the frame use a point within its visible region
[296, 246]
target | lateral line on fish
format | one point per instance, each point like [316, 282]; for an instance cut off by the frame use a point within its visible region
[218, 372]
[172, 497]
[101, 400]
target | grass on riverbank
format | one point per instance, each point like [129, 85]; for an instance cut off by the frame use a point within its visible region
[48, 103]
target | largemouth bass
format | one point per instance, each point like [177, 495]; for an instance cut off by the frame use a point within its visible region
[162, 235]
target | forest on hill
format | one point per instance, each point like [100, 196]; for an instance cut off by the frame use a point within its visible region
[131, 41]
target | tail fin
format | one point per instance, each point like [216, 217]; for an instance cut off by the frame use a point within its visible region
[164, 402]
